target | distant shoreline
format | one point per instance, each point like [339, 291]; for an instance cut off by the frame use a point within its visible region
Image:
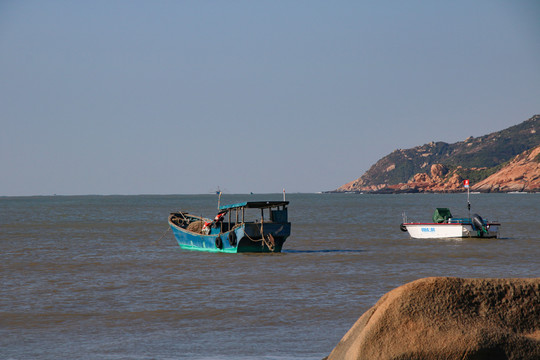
[371, 192]
[415, 191]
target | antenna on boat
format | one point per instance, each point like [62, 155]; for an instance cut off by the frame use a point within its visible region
[218, 192]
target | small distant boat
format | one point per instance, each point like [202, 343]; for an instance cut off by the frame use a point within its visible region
[231, 231]
[446, 226]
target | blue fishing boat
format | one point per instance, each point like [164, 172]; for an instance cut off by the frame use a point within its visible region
[235, 228]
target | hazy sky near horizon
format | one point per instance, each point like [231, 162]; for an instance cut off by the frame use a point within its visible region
[182, 97]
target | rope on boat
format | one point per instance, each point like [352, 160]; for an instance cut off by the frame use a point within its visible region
[249, 237]
[162, 236]
[176, 219]
[270, 242]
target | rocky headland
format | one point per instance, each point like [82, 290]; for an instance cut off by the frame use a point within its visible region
[449, 318]
[504, 161]
[521, 174]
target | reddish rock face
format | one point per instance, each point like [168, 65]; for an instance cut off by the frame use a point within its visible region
[449, 318]
[480, 157]
[521, 174]
[438, 171]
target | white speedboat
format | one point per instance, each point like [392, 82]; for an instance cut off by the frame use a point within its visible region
[445, 226]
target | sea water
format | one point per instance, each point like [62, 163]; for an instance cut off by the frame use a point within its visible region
[101, 277]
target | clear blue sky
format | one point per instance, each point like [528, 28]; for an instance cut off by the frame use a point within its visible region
[167, 97]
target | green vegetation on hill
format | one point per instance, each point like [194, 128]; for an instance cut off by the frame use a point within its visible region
[477, 157]
[475, 175]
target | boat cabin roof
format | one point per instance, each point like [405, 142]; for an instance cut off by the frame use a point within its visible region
[254, 205]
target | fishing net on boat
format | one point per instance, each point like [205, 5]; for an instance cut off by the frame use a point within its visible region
[196, 226]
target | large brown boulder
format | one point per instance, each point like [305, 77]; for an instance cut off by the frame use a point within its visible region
[449, 318]
[438, 171]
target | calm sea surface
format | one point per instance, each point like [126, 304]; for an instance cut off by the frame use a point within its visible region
[99, 277]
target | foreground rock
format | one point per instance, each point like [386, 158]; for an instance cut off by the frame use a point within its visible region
[449, 318]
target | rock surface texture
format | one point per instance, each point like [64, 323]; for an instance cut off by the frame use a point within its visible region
[521, 174]
[449, 318]
[441, 167]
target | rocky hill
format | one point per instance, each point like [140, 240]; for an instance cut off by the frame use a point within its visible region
[493, 162]
[521, 174]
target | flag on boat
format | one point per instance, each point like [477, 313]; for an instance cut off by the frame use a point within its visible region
[466, 183]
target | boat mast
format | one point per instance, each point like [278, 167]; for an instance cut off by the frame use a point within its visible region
[466, 184]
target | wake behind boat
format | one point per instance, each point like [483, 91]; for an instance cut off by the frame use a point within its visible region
[445, 226]
[232, 231]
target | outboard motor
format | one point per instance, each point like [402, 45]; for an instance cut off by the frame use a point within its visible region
[478, 224]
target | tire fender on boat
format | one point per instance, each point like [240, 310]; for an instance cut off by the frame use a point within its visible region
[403, 227]
[219, 243]
[232, 238]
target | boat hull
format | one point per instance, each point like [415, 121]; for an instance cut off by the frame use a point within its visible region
[449, 230]
[246, 237]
